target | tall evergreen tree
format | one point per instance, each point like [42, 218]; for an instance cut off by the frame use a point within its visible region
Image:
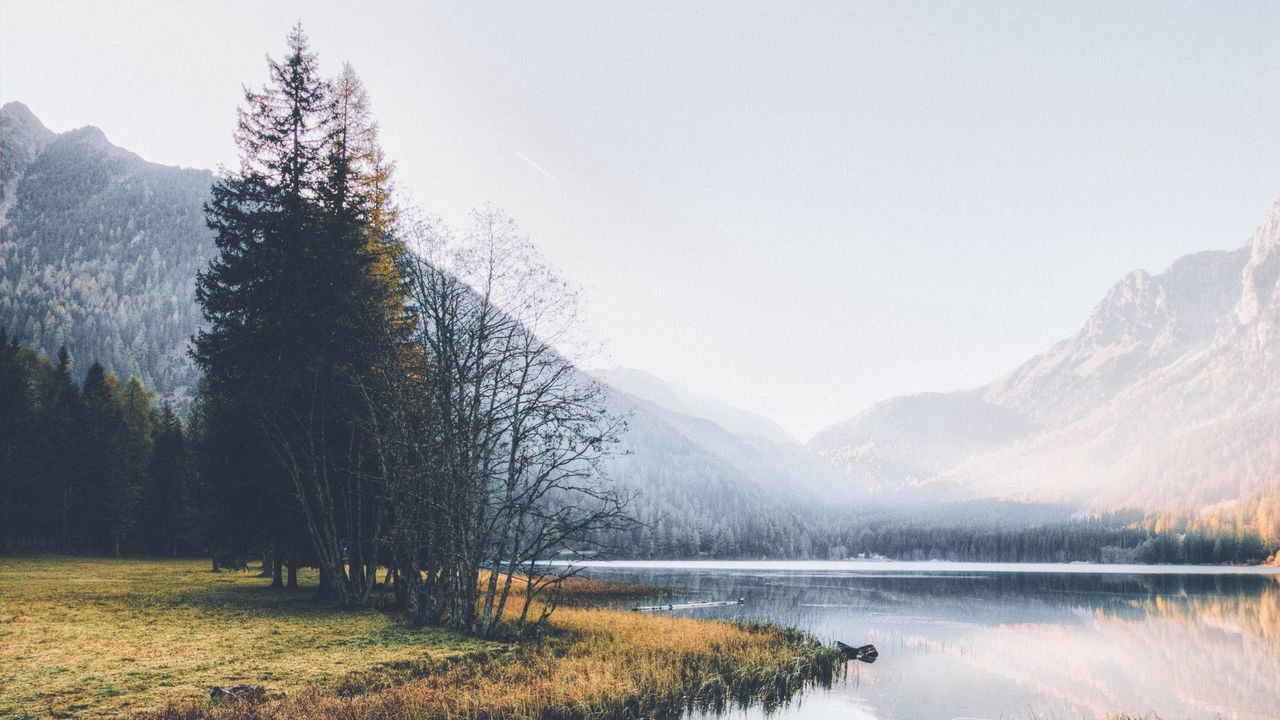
[165, 512]
[133, 448]
[105, 460]
[16, 416]
[303, 307]
[261, 217]
[63, 460]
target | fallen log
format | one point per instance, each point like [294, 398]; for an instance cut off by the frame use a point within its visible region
[865, 653]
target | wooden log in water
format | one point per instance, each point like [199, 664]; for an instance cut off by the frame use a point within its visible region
[865, 653]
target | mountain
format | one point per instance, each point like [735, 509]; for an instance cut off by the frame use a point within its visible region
[678, 399]
[907, 441]
[99, 250]
[757, 450]
[22, 138]
[713, 478]
[1168, 398]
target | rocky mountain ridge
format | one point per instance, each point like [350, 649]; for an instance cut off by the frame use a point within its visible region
[1167, 397]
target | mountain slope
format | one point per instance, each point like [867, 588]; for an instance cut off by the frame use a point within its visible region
[690, 499]
[760, 451]
[677, 399]
[99, 250]
[1168, 397]
[22, 138]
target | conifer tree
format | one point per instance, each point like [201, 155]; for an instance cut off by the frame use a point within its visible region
[133, 449]
[262, 216]
[303, 307]
[16, 498]
[103, 428]
[165, 516]
[63, 462]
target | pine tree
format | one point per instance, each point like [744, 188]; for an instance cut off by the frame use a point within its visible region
[165, 513]
[262, 217]
[16, 416]
[303, 310]
[133, 448]
[103, 431]
[63, 466]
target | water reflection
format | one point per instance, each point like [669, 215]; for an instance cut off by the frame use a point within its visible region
[1014, 645]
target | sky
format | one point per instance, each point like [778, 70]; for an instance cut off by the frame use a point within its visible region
[799, 208]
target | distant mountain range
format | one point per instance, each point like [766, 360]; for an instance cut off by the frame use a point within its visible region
[1167, 398]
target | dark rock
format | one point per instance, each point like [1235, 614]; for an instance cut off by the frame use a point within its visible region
[251, 693]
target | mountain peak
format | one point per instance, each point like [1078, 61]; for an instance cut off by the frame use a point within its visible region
[1262, 271]
[88, 133]
[15, 114]
[22, 138]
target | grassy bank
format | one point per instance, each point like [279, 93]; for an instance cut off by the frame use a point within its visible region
[93, 637]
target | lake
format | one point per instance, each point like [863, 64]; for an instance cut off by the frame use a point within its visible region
[980, 640]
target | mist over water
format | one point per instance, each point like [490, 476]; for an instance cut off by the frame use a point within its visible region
[963, 640]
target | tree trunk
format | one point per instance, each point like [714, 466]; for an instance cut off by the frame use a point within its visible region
[65, 529]
[277, 570]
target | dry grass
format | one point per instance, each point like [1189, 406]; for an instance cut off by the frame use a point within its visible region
[112, 637]
[585, 591]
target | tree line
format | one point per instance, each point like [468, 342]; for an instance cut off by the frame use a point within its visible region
[91, 467]
[1120, 537]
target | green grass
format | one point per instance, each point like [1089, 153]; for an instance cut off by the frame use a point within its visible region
[100, 636]
[95, 637]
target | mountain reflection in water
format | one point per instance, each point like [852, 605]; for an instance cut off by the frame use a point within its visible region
[977, 642]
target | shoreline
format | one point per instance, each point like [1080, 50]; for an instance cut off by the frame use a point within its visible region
[864, 566]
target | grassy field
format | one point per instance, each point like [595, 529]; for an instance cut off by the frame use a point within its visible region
[97, 637]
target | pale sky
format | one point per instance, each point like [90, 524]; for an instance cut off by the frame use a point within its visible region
[799, 208]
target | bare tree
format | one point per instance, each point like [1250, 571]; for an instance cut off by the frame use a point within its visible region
[512, 474]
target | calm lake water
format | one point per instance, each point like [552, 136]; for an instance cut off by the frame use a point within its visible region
[973, 640]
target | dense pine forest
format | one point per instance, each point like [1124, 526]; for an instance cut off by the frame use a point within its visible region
[90, 467]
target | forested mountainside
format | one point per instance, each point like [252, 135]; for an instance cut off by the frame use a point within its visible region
[689, 500]
[1168, 399]
[705, 488]
[99, 251]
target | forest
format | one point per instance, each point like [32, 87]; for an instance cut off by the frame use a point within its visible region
[90, 254]
[95, 467]
[102, 467]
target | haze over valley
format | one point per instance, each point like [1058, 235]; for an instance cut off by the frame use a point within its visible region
[1165, 401]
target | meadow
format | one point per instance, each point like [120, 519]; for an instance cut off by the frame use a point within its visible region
[91, 637]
